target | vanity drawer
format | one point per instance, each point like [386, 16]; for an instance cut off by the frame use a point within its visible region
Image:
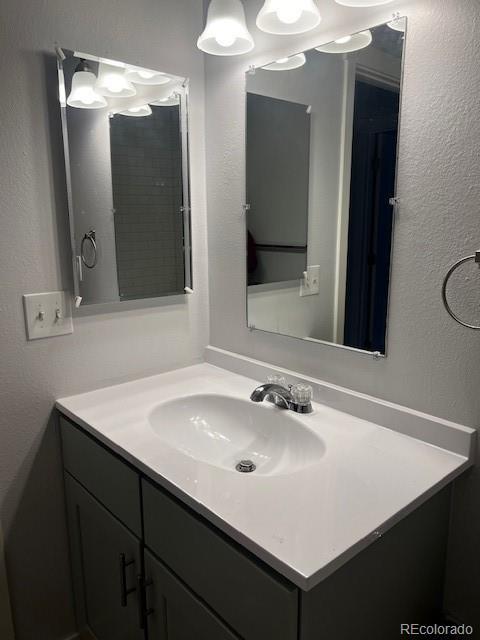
[110, 480]
[251, 599]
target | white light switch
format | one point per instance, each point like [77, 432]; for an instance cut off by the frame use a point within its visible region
[310, 285]
[47, 314]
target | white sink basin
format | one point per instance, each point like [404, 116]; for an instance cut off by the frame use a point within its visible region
[222, 431]
[326, 484]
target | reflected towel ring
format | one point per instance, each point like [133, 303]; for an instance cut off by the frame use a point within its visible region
[475, 258]
[89, 237]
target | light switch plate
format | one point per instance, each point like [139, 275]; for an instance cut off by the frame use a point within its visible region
[47, 314]
[310, 286]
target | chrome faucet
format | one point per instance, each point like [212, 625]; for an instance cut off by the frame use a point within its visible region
[296, 397]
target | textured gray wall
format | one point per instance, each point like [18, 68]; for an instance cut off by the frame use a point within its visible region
[34, 256]
[432, 363]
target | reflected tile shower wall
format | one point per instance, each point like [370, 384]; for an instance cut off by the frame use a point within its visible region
[147, 195]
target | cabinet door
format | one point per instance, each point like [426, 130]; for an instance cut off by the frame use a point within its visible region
[175, 613]
[106, 559]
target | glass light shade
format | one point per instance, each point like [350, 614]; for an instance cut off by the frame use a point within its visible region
[362, 3]
[226, 32]
[112, 82]
[137, 112]
[170, 101]
[287, 64]
[398, 24]
[138, 75]
[348, 44]
[287, 17]
[84, 94]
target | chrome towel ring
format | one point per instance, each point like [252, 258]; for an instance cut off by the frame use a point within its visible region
[475, 258]
[89, 237]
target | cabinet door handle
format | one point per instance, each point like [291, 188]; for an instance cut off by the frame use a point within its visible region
[124, 592]
[143, 612]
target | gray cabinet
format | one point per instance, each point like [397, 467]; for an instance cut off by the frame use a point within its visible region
[174, 613]
[104, 475]
[251, 598]
[106, 559]
[146, 567]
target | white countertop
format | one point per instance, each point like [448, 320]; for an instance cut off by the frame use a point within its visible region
[306, 524]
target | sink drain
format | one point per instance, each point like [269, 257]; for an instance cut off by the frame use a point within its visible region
[246, 466]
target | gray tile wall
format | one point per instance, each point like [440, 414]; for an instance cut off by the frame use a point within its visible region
[147, 197]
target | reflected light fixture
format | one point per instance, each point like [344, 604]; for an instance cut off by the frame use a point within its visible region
[347, 44]
[398, 24]
[362, 3]
[138, 75]
[83, 94]
[171, 101]
[226, 32]
[112, 82]
[137, 112]
[287, 64]
[287, 17]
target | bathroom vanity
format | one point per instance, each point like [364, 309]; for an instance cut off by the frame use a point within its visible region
[340, 532]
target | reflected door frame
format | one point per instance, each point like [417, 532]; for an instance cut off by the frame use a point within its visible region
[353, 71]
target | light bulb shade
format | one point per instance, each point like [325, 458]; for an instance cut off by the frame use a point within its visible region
[226, 32]
[171, 101]
[398, 24]
[362, 3]
[84, 94]
[288, 17]
[137, 112]
[112, 82]
[139, 75]
[287, 64]
[348, 44]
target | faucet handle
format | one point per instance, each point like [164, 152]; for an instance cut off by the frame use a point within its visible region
[277, 379]
[302, 394]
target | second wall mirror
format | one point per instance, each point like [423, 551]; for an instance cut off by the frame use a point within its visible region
[125, 132]
[322, 132]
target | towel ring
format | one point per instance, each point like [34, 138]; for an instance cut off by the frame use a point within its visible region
[476, 259]
[89, 237]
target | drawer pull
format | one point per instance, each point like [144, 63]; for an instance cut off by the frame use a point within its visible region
[143, 612]
[124, 592]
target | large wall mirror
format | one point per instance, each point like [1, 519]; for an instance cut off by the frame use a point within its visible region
[126, 152]
[322, 130]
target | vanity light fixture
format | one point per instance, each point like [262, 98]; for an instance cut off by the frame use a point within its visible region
[347, 44]
[288, 17]
[139, 75]
[362, 3]
[112, 82]
[83, 94]
[226, 32]
[287, 64]
[137, 112]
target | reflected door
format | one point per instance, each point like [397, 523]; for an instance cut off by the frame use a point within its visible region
[371, 216]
